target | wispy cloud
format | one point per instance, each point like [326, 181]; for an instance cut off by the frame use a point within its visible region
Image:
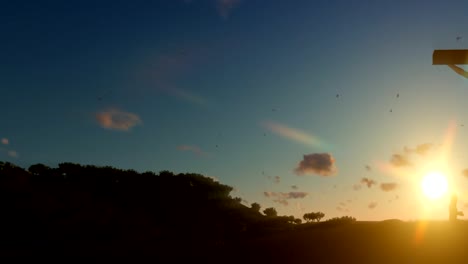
[287, 195]
[292, 133]
[387, 187]
[368, 182]
[225, 7]
[162, 72]
[421, 149]
[116, 119]
[281, 197]
[13, 154]
[322, 164]
[281, 201]
[5, 141]
[191, 148]
[357, 187]
[399, 160]
[372, 205]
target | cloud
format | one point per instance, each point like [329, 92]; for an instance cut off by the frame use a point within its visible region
[372, 205]
[277, 179]
[296, 195]
[338, 208]
[5, 141]
[117, 120]
[421, 149]
[281, 197]
[294, 187]
[403, 159]
[368, 182]
[399, 160]
[225, 7]
[13, 154]
[288, 195]
[281, 201]
[162, 72]
[317, 163]
[292, 133]
[465, 172]
[191, 148]
[387, 187]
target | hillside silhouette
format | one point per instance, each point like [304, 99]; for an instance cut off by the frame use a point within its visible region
[87, 210]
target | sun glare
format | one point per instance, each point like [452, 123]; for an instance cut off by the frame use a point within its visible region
[434, 185]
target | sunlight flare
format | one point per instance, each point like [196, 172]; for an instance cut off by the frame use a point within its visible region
[434, 185]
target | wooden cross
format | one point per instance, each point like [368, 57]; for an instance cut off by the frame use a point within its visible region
[450, 58]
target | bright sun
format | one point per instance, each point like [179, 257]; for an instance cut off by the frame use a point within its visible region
[434, 185]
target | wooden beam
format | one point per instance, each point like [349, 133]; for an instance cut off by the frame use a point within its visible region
[444, 57]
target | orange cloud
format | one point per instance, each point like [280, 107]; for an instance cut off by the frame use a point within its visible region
[368, 182]
[317, 163]
[117, 120]
[387, 187]
[421, 149]
[465, 173]
[5, 141]
[399, 160]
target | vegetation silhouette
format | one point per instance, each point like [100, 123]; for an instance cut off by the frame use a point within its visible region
[85, 210]
[314, 216]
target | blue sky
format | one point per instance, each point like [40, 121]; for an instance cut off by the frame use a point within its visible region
[241, 91]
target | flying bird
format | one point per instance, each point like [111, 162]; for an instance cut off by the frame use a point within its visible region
[337, 95]
[391, 110]
[397, 95]
[459, 38]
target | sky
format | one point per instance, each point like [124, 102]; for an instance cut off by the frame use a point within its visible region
[305, 106]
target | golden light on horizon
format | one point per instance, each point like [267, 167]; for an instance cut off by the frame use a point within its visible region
[434, 185]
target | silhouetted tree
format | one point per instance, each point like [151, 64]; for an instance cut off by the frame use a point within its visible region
[39, 168]
[298, 221]
[270, 212]
[256, 207]
[315, 216]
